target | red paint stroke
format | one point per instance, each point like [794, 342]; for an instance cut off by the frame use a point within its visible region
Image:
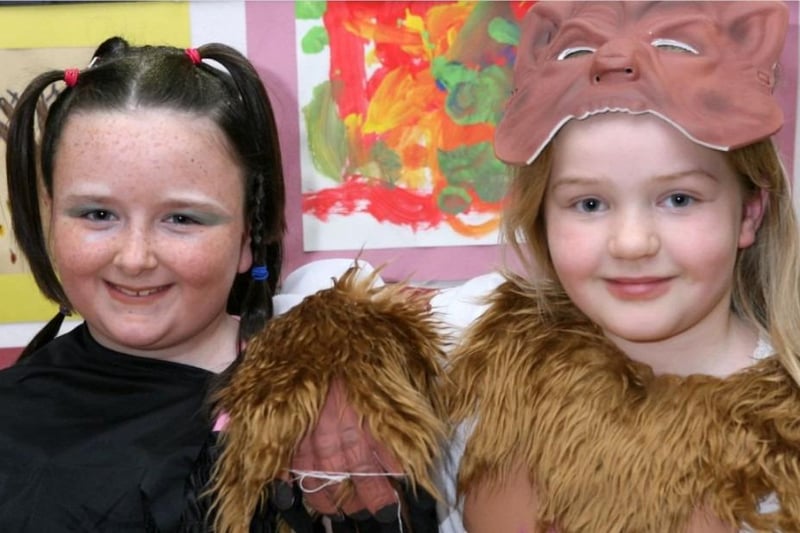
[395, 205]
[386, 203]
[520, 8]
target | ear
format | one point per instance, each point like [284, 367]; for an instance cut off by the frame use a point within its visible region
[754, 208]
[46, 199]
[46, 210]
[757, 31]
[245, 253]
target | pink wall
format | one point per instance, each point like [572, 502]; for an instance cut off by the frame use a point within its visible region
[8, 356]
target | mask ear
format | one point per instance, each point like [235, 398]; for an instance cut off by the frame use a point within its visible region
[757, 30]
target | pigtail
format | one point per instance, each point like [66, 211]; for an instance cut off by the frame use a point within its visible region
[252, 294]
[45, 335]
[257, 304]
[22, 171]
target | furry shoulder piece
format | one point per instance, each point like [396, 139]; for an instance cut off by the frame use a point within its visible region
[610, 446]
[381, 343]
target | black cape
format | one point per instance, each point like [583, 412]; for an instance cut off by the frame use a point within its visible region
[94, 440]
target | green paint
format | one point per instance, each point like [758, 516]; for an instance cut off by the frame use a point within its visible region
[475, 166]
[453, 200]
[492, 187]
[309, 9]
[475, 97]
[504, 31]
[315, 40]
[326, 133]
[389, 164]
[451, 73]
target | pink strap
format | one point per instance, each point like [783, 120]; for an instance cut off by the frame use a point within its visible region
[221, 422]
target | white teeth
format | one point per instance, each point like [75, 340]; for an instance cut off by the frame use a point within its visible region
[129, 292]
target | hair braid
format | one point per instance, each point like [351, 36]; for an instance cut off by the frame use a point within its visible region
[23, 193]
[252, 299]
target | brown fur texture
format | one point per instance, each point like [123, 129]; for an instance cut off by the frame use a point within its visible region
[384, 346]
[608, 445]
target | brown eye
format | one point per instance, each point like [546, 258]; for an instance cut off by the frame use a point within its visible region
[671, 45]
[574, 51]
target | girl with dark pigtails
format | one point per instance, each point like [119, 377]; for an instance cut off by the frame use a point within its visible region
[151, 204]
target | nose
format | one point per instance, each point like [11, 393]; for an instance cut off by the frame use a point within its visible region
[135, 252]
[616, 61]
[633, 236]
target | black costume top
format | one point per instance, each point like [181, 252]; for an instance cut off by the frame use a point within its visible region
[95, 440]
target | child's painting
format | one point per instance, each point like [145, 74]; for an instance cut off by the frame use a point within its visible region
[399, 101]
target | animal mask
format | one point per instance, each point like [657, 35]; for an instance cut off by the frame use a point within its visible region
[708, 68]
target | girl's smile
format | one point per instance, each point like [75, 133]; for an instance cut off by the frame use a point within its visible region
[132, 295]
[644, 288]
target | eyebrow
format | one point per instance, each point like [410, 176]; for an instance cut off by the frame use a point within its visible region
[579, 180]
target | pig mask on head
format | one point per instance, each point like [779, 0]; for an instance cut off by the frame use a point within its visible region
[708, 68]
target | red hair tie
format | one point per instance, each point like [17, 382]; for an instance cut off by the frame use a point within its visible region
[194, 55]
[71, 76]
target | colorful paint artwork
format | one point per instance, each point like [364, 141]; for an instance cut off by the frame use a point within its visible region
[399, 101]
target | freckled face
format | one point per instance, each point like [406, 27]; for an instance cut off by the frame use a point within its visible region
[147, 228]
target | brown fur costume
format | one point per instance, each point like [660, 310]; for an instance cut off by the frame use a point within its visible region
[609, 446]
[384, 346]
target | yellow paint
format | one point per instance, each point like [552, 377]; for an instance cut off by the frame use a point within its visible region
[414, 22]
[21, 301]
[88, 24]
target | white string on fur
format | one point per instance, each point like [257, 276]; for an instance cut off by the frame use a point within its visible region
[331, 478]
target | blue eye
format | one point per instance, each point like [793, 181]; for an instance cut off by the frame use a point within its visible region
[679, 200]
[589, 205]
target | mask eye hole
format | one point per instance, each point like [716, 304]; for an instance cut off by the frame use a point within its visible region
[673, 45]
[574, 51]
